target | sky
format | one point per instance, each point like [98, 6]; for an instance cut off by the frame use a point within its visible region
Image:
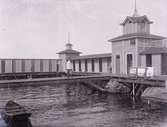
[39, 28]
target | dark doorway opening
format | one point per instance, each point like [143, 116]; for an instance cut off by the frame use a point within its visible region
[86, 65]
[93, 65]
[117, 64]
[164, 64]
[74, 65]
[129, 62]
[100, 65]
[80, 66]
[149, 60]
[3, 66]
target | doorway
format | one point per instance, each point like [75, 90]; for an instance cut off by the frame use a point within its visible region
[129, 62]
[117, 64]
[164, 64]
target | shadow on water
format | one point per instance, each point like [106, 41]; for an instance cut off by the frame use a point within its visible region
[76, 105]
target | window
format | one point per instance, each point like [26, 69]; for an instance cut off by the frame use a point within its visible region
[93, 65]
[142, 26]
[132, 42]
[117, 56]
[100, 65]
[149, 60]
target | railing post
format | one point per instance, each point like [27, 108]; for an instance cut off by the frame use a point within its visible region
[136, 72]
[145, 74]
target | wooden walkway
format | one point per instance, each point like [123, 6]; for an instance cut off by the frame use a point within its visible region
[56, 80]
[152, 82]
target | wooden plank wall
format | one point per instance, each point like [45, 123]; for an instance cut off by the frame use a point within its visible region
[29, 65]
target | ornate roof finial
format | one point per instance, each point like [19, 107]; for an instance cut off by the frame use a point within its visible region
[135, 14]
[68, 37]
[69, 45]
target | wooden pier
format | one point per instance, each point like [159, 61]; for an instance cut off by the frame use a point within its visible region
[96, 81]
[25, 75]
[55, 80]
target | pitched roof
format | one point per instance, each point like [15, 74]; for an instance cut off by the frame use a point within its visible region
[136, 35]
[104, 55]
[69, 44]
[138, 19]
[154, 50]
[69, 51]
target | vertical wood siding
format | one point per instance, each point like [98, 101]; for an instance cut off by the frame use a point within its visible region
[18, 64]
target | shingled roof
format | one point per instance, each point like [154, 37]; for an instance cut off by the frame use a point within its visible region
[69, 51]
[154, 50]
[136, 35]
[104, 55]
[138, 19]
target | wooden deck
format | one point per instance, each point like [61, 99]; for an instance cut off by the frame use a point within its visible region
[152, 82]
[56, 80]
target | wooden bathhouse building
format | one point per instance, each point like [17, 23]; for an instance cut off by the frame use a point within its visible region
[138, 47]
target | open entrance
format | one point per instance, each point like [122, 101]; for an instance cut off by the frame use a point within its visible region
[164, 64]
[129, 62]
[117, 64]
[148, 60]
[3, 66]
[100, 65]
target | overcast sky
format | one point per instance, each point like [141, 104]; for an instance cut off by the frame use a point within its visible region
[39, 28]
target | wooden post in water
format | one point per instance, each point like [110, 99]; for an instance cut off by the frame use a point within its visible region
[133, 90]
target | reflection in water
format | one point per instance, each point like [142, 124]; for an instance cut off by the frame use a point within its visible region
[76, 105]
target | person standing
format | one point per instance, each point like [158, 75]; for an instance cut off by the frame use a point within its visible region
[68, 67]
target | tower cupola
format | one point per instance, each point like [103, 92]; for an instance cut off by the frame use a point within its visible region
[136, 23]
[68, 46]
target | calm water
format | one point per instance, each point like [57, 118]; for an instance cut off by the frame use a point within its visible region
[75, 105]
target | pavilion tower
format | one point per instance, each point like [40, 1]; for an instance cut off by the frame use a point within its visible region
[135, 38]
[66, 54]
[136, 23]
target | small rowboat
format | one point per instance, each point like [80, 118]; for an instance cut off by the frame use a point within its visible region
[2, 122]
[16, 115]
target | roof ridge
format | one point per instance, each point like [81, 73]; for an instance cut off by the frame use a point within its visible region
[136, 35]
[136, 19]
[68, 51]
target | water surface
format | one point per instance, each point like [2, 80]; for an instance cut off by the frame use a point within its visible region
[75, 105]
